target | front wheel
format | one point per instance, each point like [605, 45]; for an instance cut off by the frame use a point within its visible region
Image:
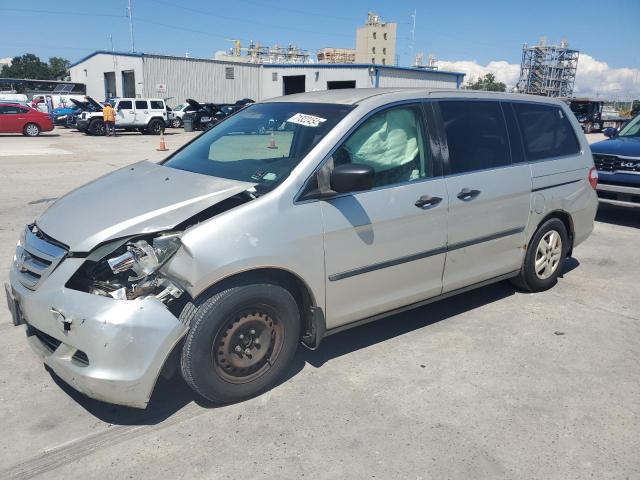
[31, 130]
[176, 122]
[545, 257]
[96, 127]
[155, 127]
[240, 342]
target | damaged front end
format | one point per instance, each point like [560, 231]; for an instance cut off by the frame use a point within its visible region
[130, 268]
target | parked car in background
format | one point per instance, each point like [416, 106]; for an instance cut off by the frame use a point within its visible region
[17, 118]
[146, 115]
[220, 260]
[65, 116]
[592, 115]
[179, 112]
[618, 162]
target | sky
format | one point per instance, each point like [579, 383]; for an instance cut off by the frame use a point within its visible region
[475, 37]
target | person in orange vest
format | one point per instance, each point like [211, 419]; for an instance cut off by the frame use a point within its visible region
[109, 117]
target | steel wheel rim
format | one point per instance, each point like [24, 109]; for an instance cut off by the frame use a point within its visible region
[246, 347]
[32, 130]
[548, 255]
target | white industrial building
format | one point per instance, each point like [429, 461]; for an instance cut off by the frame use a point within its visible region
[117, 74]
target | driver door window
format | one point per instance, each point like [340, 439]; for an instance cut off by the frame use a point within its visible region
[392, 143]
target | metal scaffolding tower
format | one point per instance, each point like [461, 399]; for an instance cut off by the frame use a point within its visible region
[548, 70]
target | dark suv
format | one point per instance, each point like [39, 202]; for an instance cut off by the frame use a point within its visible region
[618, 162]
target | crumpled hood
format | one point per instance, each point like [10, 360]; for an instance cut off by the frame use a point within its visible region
[625, 146]
[141, 198]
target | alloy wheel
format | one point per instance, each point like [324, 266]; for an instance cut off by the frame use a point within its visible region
[548, 254]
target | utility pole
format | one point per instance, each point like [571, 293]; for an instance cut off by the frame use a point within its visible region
[413, 34]
[129, 12]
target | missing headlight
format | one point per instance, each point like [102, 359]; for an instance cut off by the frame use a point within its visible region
[129, 270]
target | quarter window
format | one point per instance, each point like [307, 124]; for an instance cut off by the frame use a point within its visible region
[392, 143]
[546, 131]
[476, 135]
[141, 105]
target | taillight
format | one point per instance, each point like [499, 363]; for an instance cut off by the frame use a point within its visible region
[593, 177]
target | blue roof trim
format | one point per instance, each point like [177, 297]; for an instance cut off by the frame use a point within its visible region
[107, 52]
[356, 65]
[459, 75]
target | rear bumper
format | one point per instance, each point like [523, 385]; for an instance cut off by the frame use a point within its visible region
[110, 350]
[620, 195]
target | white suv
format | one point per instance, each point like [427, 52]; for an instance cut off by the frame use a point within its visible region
[147, 115]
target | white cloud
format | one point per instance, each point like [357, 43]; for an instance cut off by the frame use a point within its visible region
[593, 76]
[5, 61]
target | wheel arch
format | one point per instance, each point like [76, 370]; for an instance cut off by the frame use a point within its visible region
[311, 316]
[564, 217]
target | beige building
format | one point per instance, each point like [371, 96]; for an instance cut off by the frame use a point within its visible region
[376, 41]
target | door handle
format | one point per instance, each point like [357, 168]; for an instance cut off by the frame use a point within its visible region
[466, 194]
[131, 111]
[427, 201]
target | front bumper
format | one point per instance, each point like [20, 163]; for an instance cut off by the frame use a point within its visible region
[620, 195]
[110, 350]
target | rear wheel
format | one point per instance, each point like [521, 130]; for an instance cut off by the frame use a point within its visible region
[240, 341]
[31, 130]
[155, 126]
[96, 127]
[545, 257]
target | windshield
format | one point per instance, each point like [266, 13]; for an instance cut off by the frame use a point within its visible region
[632, 129]
[261, 144]
[580, 108]
[178, 107]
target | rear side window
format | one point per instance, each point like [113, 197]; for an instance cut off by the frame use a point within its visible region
[142, 105]
[12, 109]
[125, 105]
[476, 135]
[546, 131]
[156, 105]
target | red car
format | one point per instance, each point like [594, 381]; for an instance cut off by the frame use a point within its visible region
[17, 118]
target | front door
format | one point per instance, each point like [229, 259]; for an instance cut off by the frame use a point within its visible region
[125, 114]
[385, 248]
[489, 195]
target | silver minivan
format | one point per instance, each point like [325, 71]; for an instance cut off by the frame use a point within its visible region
[354, 205]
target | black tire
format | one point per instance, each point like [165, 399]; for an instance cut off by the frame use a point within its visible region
[155, 127]
[529, 279]
[177, 122]
[96, 127]
[210, 362]
[31, 130]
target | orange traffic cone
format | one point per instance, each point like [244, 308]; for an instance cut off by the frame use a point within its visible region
[163, 146]
[272, 143]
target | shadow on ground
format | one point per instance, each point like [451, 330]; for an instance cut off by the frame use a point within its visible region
[622, 216]
[171, 395]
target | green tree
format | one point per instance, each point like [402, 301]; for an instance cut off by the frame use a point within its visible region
[487, 83]
[27, 66]
[30, 66]
[59, 68]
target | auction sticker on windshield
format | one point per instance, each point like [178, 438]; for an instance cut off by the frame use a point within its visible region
[306, 120]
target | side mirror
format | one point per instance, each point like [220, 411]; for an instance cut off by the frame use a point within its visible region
[610, 132]
[351, 177]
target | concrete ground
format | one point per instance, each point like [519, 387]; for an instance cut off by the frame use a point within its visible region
[491, 384]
